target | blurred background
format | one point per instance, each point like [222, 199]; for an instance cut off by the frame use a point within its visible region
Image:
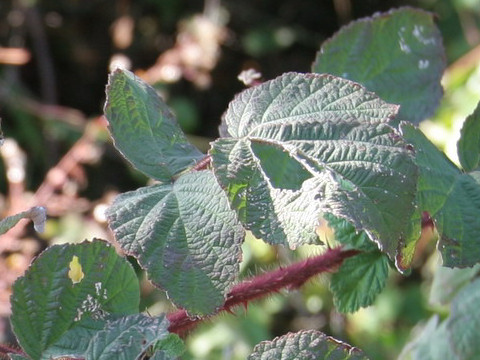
[55, 56]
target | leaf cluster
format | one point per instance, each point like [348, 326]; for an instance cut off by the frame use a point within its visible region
[339, 144]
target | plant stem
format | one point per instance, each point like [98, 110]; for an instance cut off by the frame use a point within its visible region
[290, 277]
[203, 164]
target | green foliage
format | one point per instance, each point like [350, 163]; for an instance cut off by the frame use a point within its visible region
[341, 156]
[293, 150]
[359, 280]
[451, 197]
[469, 142]
[184, 235]
[454, 338]
[398, 55]
[37, 214]
[47, 302]
[305, 345]
[144, 129]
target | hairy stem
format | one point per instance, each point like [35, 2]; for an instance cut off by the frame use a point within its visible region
[203, 164]
[290, 277]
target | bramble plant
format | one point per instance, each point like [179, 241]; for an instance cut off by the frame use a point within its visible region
[338, 144]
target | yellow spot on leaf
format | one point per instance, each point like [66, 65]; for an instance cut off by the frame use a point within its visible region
[75, 274]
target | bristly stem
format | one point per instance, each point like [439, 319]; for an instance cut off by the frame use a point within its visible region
[290, 277]
[203, 164]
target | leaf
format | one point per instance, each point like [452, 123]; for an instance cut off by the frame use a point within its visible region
[171, 347]
[468, 146]
[309, 344]
[398, 55]
[359, 280]
[452, 199]
[75, 273]
[144, 130]
[127, 338]
[306, 144]
[184, 235]
[346, 234]
[455, 338]
[46, 304]
[464, 321]
[447, 282]
[37, 214]
[76, 340]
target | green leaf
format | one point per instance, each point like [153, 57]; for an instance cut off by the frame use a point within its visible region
[346, 234]
[398, 55]
[469, 144]
[184, 235]
[428, 342]
[46, 303]
[451, 197]
[309, 344]
[359, 280]
[307, 144]
[144, 130]
[447, 282]
[127, 338]
[37, 214]
[75, 342]
[457, 337]
[171, 347]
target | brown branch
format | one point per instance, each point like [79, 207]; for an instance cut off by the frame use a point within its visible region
[290, 277]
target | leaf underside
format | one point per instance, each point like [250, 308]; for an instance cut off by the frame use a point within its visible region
[456, 337]
[305, 144]
[184, 235]
[398, 55]
[308, 345]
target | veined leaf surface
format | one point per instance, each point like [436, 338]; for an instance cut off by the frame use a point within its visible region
[451, 197]
[144, 130]
[184, 235]
[399, 55]
[310, 344]
[305, 144]
[46, 303]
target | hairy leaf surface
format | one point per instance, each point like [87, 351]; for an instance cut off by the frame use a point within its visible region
[144, 130]
[469, 143]
[359, 280]
[451, 197]
[184, 235]
[46, 303]
[128, 338]
[306, 345]
[306, 144]
[399, 55]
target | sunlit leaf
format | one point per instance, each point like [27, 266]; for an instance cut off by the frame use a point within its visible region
[304, 144]
[399, 55]
[451, 197]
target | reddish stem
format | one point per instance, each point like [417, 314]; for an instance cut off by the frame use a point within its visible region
[290, 277]
[203, 164]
